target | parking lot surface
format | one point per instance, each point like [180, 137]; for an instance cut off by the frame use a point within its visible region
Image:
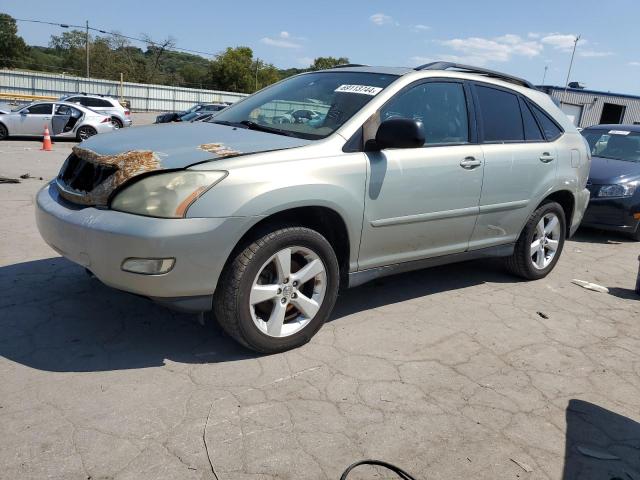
[455, 372]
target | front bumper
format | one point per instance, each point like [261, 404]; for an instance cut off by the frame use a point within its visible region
[615, 214]
[100, 240]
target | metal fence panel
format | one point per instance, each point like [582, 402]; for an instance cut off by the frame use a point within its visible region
[143, 97]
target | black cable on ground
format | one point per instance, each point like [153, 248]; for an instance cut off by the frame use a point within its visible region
[379, 463]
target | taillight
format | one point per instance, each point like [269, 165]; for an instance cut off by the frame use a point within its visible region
[127, 113]
[106, 120]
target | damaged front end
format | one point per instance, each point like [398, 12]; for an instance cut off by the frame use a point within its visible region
[88, 178]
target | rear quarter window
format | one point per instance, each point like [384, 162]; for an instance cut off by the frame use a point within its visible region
[551, 130]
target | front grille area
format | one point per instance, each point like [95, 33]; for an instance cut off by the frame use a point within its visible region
[83, 176]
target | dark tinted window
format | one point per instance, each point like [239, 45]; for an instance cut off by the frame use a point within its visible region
[500, 114]
[73, 100]
[40, 109]
[551, 130]
[97, 102]
[440, 106]
[531, 129]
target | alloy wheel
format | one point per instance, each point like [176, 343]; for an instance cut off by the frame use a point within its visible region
[546, 239]
[288, 291]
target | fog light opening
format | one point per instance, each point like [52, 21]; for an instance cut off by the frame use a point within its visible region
[148, 266]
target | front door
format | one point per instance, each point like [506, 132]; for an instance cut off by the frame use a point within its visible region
[423, 202]
[34, 118]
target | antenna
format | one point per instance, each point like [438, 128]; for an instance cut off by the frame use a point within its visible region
[566, 85]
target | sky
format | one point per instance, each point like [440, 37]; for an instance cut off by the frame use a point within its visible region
[516, 36]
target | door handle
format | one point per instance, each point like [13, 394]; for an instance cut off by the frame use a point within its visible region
[546, 157]
[469, 163]
[47, 118]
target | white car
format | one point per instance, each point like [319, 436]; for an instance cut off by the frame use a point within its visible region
[120, 116]
[63, 120]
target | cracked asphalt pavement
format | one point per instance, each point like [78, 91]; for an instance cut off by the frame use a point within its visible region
[455, 372]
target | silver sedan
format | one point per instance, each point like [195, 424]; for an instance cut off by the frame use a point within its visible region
[63, 119]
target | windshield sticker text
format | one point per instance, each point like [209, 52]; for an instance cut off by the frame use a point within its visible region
[618, 132]
[362, 89]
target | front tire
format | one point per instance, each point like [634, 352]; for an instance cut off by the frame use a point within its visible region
[540, 243]
[275, 294]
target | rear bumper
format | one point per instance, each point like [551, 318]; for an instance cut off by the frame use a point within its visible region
[100, 240]
[582, 201]
[615, 214]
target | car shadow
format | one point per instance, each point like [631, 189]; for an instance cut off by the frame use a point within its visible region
[592, 235]
[405, 286]
[600, 444]
[54, 317]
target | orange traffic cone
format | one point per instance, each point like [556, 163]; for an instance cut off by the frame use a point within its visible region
[46, 141]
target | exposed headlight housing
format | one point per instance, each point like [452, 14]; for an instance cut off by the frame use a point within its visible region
[165, 195]
[619, 190]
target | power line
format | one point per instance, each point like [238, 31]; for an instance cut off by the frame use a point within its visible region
[115, 34]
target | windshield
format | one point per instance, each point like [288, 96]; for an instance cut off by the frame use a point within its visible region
[310, 106]
[615, 144]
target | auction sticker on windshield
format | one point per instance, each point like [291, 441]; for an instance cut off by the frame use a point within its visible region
[619, 132]
[362, 89]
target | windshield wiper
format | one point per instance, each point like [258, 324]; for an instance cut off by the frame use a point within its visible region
[225, 122]
[263, 128]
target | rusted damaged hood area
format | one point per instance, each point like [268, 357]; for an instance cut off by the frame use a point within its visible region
[180, 145]
[134, 151]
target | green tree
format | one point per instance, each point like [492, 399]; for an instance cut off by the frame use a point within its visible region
[322, 63]
[12, 46]
[71, 48]
[233, 70]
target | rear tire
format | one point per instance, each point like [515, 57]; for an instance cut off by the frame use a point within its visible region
[4, 133]
[85, 132]
[540, 243]
[298, 298]
[117, 123]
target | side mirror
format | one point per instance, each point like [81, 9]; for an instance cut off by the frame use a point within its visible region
[23, 113]
[400, 133]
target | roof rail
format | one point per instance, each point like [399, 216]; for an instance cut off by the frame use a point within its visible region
[346, 65]
[470, 69]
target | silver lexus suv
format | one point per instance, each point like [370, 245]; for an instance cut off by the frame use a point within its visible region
[262, 221]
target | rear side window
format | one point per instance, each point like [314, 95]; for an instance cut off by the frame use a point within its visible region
[500, 114]
[532, 131]
[551, 130]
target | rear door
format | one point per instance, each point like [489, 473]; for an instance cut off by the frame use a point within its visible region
[520, 164]
[34, 118]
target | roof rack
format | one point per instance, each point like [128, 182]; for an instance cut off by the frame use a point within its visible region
[470, 69]
[346, 65]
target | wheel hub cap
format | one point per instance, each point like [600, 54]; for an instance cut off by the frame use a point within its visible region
[288, 291]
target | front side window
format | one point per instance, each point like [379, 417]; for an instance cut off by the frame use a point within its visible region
[613, 144]
[440, 106]
[40, 109]
[331, 97]
[500, 114]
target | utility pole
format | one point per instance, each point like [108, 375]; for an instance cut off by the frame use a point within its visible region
[544, 76]
[566, 84]
[86, 45]
[257, 66]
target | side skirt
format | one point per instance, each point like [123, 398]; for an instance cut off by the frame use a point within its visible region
[364, 276]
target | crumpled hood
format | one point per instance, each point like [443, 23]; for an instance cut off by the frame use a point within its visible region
[179, 145]
[103, 163]
[606, 171]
